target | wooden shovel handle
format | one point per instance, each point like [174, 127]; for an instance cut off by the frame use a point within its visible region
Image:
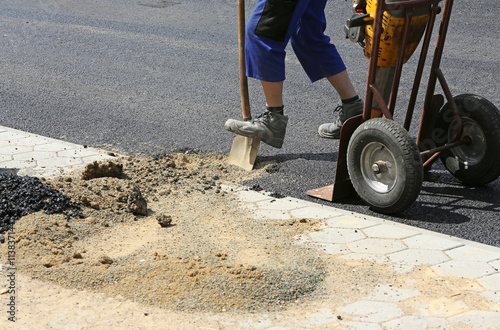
[245, 100]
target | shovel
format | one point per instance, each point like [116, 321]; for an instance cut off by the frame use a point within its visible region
[244, 149]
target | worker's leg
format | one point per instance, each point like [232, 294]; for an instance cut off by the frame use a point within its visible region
[352, 105]
[317, 55]
[320, 59]
[273, 92]
[342, 84]
[268, 31]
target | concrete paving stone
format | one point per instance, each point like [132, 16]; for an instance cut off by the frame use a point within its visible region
[41, 172]
[13, 150]
[298, 202]
[271, 215]
[9, 135]
[481, 319]
[491, 282]
[34, 155]
[313, 204]
[416, 257]
[350, 221]
[377, 246]
[5, 158]
[359, 326]
[252, 196]
[29, 140]
[389, 231]
[472, 253]
[77, 152]
[440, 308]
[371, 311]
[52, 146]
[465, 269]
[431, 242]
[323, 317]
[415, 323]
[333, 249]
[278, 204]
[59, 162]
[388, 293]
[402, 268]
[18, 164]
[377, 258]
[336, 235]
[493, 296]
[495, 264]
[317, 212]
[4, 143]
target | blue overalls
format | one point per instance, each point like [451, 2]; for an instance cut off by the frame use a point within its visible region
[273, 24]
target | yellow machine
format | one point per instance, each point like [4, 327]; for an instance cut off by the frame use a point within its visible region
[391, 38]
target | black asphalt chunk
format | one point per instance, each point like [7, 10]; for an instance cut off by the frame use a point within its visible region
[23, 195]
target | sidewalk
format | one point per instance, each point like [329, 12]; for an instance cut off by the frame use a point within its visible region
[35, 155]
[439, 281]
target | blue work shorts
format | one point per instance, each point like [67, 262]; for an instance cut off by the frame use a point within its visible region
[274, 23]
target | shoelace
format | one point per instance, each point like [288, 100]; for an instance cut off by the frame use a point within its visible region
[262, 117]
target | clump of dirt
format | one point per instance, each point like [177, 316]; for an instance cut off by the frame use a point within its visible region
[136, 203]
[192, 248]
[164, 220]
[99, 170]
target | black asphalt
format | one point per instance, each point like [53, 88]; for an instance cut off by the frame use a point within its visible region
[146, 76]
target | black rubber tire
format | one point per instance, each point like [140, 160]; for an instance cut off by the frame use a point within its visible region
[398, 184]
[478, 162]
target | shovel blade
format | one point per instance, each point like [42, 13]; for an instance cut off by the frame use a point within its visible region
[243, 152]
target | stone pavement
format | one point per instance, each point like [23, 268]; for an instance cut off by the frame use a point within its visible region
[35, 155]
[401, 248]
[469, 272]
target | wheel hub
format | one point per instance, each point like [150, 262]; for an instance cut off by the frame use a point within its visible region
[474, 150]
[377, 167]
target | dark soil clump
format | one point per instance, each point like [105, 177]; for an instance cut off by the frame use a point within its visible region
[100, 170]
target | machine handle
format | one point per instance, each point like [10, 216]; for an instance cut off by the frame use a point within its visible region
[361, 20]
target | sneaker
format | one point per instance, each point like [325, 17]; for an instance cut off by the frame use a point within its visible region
[270, 127]
[332, 130]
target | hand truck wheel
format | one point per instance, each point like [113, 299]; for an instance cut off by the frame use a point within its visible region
[384, 165]
[478, 161]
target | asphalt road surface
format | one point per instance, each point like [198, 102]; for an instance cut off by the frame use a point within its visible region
[146, 76]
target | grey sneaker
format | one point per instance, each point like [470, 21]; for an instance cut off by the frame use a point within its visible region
[270, 127]
[332, 130]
